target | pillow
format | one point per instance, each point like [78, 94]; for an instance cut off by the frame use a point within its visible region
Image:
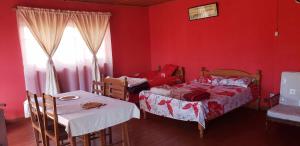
[205, 80]
[215, 80]
[169, 69]
[231, 81]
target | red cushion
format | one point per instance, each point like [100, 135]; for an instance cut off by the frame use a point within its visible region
[148, 75]
[173, 80]
[169, 69]
[152, 74]
[161, 81]
[156, 82]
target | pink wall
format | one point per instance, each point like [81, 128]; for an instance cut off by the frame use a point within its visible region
[241, 37]
[130, 42]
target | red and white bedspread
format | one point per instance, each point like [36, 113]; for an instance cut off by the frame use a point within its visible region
[222, 100]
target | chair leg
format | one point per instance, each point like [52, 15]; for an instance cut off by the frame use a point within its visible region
[125, 136]
[57, 142]
[47, 141]
[86, 140]
[127, 140]
[37, 137]
[110, 135]
[102, 138]
[43, 139]
[267, 124]
[72, 140]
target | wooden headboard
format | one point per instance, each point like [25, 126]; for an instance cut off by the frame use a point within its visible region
[234, 72]
[180, 72]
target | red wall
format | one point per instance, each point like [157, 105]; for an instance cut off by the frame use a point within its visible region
[130, 42]
[241, 37]
[287, 46]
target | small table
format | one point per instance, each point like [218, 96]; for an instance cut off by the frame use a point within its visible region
[81, 122]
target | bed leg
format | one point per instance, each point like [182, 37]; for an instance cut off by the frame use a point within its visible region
[267, 124]
[258, 104]
[201, 130]
[144, 114]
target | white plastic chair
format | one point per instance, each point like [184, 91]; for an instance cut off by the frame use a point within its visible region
[288, 109]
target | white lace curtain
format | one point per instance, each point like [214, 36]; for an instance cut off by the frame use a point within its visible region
[71, 56]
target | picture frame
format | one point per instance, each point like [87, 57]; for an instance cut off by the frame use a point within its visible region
[203, 11]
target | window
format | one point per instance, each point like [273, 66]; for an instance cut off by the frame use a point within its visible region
[72, 60]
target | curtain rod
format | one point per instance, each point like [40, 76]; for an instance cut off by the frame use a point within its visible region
[61, 10]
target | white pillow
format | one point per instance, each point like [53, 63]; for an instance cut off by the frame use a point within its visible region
[231, 81]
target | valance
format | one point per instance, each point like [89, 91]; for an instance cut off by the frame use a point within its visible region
[62, 11]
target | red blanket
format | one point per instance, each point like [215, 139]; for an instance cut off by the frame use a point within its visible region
[196, 95]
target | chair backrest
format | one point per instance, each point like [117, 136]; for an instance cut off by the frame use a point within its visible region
[290, 88]
[98, 87]
[36, 116]
[50, 116]
[116, 88]
[2, 104]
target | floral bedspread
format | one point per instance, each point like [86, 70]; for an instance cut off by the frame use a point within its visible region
[222, 100]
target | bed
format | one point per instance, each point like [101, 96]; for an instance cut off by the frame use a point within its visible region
[168, 75]
[179, 102]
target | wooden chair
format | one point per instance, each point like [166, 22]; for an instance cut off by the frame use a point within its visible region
[53, 131]
[98, 88]
[36, 118]
[117, 88]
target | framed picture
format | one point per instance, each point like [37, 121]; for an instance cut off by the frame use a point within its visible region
[205, 11]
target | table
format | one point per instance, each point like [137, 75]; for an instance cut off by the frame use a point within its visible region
[80, 122]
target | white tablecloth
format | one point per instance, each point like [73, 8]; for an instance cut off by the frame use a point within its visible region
[80, 121]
